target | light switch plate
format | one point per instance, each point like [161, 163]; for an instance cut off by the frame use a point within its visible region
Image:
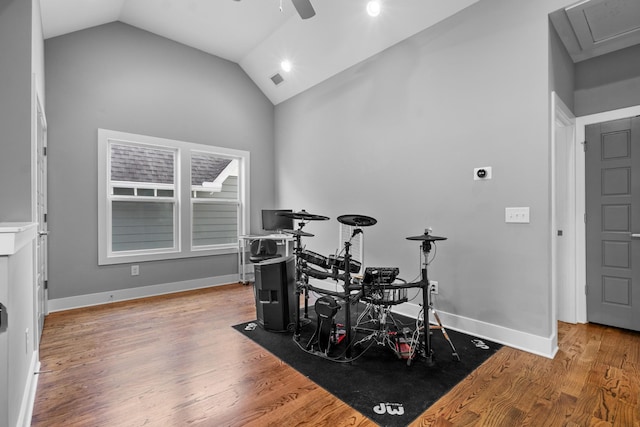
[517, 215]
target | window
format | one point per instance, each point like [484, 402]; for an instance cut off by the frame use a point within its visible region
[214, 200]
[161, 199]
[142, 198]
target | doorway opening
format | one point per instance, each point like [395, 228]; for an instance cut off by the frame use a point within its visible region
[580, 202]
[574, 289]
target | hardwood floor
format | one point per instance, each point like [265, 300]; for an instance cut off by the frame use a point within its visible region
[174, 360]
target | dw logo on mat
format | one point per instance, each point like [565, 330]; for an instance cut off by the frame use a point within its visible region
[389, 408]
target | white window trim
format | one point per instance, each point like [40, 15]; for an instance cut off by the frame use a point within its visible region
[182, 194]
[214, 187]
[115, 198]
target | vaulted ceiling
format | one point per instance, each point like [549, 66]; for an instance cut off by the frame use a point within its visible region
[259, 34]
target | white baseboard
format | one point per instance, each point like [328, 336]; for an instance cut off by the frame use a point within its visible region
[60, 304]
[29, 393]
[542, 346]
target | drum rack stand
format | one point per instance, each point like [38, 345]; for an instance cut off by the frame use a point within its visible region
[427, 302]
[423, 346]
[346, 296]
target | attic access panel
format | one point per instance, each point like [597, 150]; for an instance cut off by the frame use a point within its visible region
[603, 26]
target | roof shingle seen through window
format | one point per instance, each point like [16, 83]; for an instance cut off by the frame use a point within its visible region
[141, 164]
[206, 168]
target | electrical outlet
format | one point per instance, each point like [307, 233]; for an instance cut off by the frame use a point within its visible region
[135, 270]
[433, 287]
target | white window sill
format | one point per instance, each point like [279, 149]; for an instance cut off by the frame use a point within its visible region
[128, 258]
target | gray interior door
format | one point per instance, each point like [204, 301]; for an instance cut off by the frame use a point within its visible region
[613, 223]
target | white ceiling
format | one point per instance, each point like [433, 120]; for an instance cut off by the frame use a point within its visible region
[258, 36]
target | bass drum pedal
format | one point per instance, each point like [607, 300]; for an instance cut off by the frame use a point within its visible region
[326, 308]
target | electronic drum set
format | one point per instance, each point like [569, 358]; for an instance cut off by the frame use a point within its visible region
[378, 288]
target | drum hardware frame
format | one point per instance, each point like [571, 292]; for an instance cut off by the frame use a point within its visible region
[405, 342]
[302, 279]
[346, 296]
[427, 301]
[300, 265]
[304, 218]
[355, 221]
[380, 315]
[381, 293]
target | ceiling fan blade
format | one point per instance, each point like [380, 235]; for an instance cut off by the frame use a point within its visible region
[304, 8]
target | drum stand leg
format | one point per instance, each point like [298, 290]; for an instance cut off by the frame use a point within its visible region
[427, 311]
[378, 317]
[444, 332]
[347, 298]
[299, 286]
[381, 315]
[298, 327]
[427, 306]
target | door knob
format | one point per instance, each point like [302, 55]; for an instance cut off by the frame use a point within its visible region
[635, 236]
[43, 233]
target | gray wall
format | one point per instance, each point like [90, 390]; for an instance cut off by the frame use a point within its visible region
[20, 57]
[562, 70]
[122, 78]
[397, 137]
[608, 82]
[15, 110]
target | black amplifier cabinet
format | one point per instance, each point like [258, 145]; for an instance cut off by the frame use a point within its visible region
[275, 293]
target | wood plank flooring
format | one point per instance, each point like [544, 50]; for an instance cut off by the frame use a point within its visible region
[174, 360]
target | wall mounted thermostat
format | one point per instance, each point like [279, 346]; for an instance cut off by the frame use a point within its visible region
[481, 174]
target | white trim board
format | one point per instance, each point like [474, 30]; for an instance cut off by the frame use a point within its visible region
[542, 346]
[60, 304]
[563, 213]
[29, 393]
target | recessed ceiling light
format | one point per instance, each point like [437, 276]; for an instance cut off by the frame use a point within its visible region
[373, 8]
[286, 65]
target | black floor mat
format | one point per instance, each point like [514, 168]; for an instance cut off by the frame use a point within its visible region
[378, 383]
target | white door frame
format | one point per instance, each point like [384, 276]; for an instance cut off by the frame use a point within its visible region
[42, 124]
[38, 121]
[562, 118]
[580, 188]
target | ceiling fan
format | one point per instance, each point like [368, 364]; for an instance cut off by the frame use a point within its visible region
[303, 7]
